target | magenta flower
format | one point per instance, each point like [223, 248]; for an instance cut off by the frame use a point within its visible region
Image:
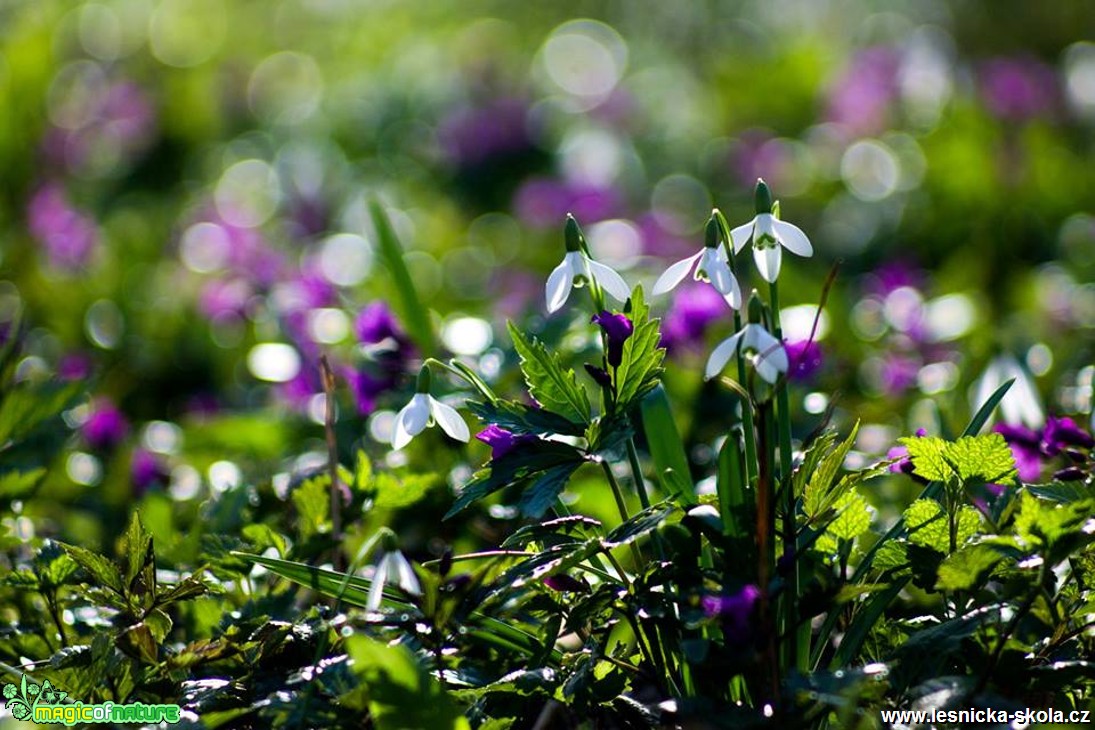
[736, 610]
[1025, 446]
[105, 426]
[1019, 89]
[617, 328]
[501, 441]
[692, 311]
[541, 202]
[74, 366]
[805, 360]
[67, 235]
[1062, 433]
[376, 323]
[146, 469]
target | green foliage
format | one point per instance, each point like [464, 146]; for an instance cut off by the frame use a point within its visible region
[928, 525]
[986, 458]
[554, 387]
[641, 367]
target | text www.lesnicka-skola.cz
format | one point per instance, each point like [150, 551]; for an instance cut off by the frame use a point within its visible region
[1016, 718]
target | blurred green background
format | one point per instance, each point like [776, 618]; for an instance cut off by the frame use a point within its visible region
[184, 191]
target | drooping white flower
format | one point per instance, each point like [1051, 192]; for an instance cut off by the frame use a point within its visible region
[1021, 404]
[577, 270]
[756, 345]
[711, 265]
[392, 568]
[769, 236]
[423, 411]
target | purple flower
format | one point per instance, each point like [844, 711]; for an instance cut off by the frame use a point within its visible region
[894, 275]
[736, 611]
[805, 359]
[225, 298]
[501, 441]
[105, 426]
[617, 329]
[692, 311]
[68, 236]
[1019, 89]
[898, 373]
[475, 135]
[74, 366]
[860, 99]
[376, 323]
[1060, 433]
[543, 202]
[1025, 446]
[367, 388]
[145, 470]
[904, 464]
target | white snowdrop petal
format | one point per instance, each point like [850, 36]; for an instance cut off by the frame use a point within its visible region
[741, 235]
[768, 262]
[558, 286]
[376, 587]
[793, 239]
[674, 274]
[408, 581]
[449, 420]
[612, 282]
[721, 355]
[733, 298]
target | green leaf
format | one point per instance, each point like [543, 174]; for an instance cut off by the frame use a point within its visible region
[1040, 522]
[641, 365]
[516, 466]
[412, 312]
[542, 493]
[103, 571]
[853, 518]
[15, 484]
[402, 693]
[967, 567]
[987, 458]
[640, 524]
[927, 524]
[523, 419]
[394, 492]
[666, 448]
[140, 573]
[819, 495]
[312, 500]
[554, 387]
[28, 405]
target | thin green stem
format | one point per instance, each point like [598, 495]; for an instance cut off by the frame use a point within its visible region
[637, 473]
[621, 505]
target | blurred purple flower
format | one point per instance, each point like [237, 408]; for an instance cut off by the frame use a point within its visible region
[693, 309]
[657, 241]
[501, 441]
[898, 373]
[118, 124]
[617, 328]
[74, 366]
[1019, 89]
[544, 202]
[736, 611]
[225, 298]
[759, 154]
[105, 426]
[805, 360]
[1025, 446]
[298, 392]
[473, 135]
[893, 275]
[146, 469]
[366, 389]
[376, 323]
[860, 98]
[68, 236]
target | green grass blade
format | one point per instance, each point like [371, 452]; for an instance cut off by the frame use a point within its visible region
[415, 316]
[664, 441]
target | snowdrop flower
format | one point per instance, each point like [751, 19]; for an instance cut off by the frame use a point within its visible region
[768, 234]
[392, 568]
[1021, 405]
[711, 265]
[422, 412]
[756, 345]
[578, 269]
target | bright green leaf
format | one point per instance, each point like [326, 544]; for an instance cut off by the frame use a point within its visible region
[554, 387]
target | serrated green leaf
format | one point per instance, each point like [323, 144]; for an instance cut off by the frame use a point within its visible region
[28, 405]
[539, 496]
[967, 567]
[1040, 522]
[816, 496]
[640, 524]
[927, 524]
[892, 554]
[15, 484]
[523, 419]
[103, 571]
[140, 573]
[987, 458]
[554, 387]
[926, 453]
[852, 517]
[641, 365]
[312, 500]
[515, 467]
[394, 492]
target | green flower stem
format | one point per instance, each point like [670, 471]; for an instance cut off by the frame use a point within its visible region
[637, 472]
[621, 505]
[798, 650]
[766, 547]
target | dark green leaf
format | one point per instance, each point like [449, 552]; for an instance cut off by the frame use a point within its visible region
[641, 366]
[412, 311]
[516, 466]
[15, 484]
[103, 571]
[522, 419]
[640, 524]
[665, 445]
[539, 496]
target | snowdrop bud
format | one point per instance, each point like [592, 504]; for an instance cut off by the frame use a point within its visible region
[389, 542]
[423, 385]
[756, 308]
[711, 233]
[574, 238]
[762, 197]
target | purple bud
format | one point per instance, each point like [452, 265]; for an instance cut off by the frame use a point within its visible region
[1062, 432]
[501, 441]
[376, 323]
[805, 359]
[617, 328]
[145, 470]
[599, 375]
[1069, 474]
